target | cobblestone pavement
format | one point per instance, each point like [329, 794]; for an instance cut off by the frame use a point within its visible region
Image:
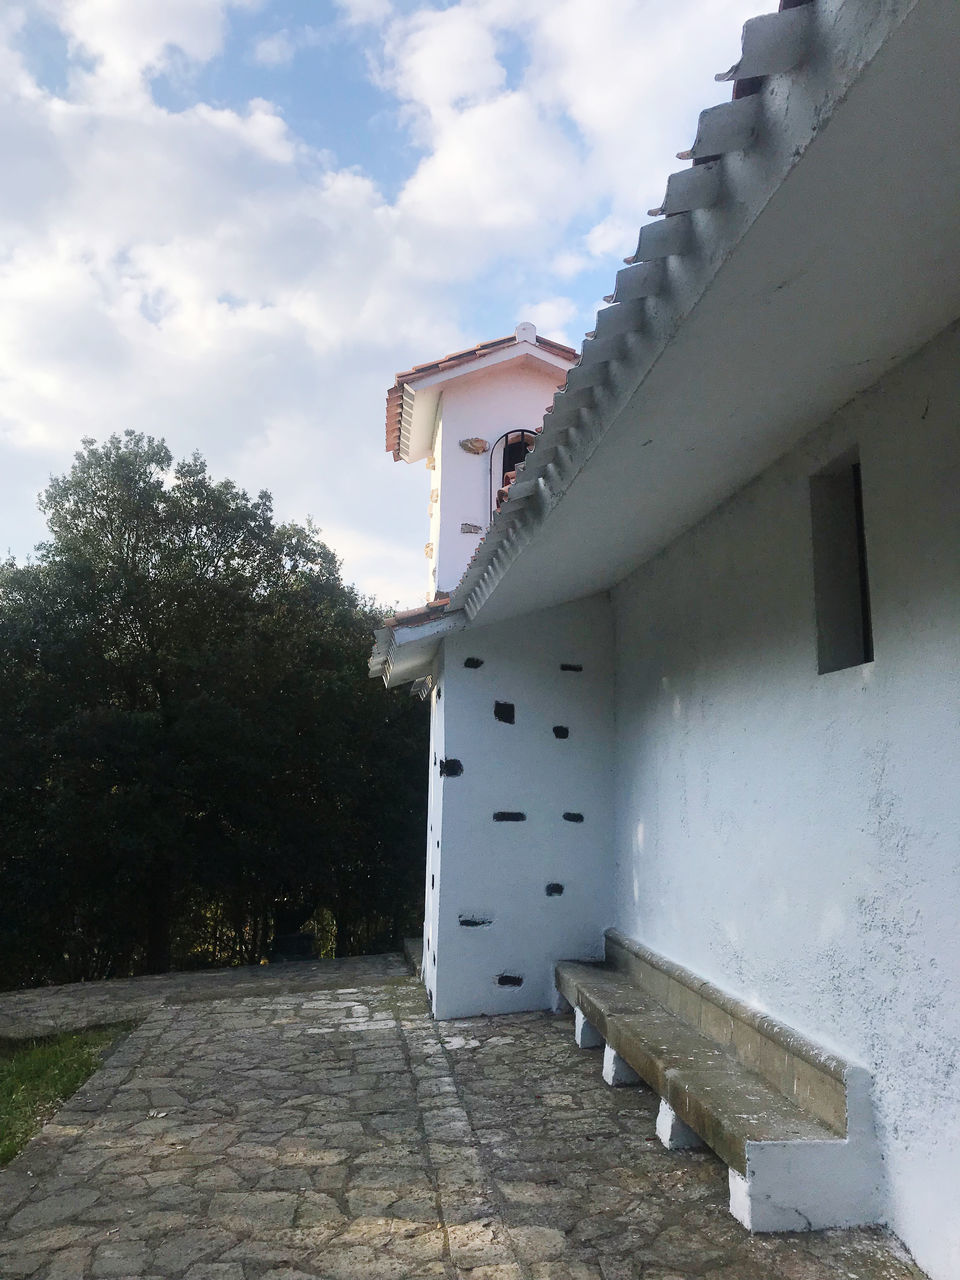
[337, 1132]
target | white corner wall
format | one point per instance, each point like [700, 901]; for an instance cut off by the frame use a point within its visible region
[491, 917]
[795, 837]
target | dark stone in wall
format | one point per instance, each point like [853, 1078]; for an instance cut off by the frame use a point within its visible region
[507, 815]
[473, 663]
[504, 712]
[474, 922]
[450, 768]
[554, 890]
[573, 817]
[509, 980]
[561, 731]
[571, 666]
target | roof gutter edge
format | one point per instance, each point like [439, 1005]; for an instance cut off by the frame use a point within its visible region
[403, 654]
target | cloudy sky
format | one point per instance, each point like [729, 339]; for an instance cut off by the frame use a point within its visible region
[230, 222]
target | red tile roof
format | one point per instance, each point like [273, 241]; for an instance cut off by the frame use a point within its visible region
[395, 393]
[417, 617]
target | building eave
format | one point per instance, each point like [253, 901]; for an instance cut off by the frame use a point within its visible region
[820, 245]
[404, 652]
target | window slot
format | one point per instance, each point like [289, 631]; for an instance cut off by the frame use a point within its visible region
[840, 582]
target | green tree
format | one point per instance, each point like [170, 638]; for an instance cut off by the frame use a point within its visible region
[190, 749]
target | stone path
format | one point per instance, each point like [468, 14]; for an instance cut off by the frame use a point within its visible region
[322, 1125]
[38, 1011]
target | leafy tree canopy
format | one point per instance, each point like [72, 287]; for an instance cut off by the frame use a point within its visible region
[190, 750]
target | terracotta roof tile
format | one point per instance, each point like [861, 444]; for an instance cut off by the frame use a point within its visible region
[417, 617]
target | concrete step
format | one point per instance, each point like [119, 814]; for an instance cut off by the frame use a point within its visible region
[413, 951]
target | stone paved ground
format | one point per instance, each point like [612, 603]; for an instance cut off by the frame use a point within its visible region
[38, 1011]
[331, 1129]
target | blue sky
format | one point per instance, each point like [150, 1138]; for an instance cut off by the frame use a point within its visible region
[229, 222]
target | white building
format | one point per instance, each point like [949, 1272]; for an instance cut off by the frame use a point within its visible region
[701, 680]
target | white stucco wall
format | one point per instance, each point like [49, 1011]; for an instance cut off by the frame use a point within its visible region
[498, 871]
[795, 837]
[510, 396]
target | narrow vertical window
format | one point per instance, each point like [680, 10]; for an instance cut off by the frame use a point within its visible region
[841, 586]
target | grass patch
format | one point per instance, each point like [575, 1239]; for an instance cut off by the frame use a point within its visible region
[36, 1076]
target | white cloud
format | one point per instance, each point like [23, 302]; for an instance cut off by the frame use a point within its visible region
[632, 79]
[126, 40]
[359, 12]
[568, 264]
[551, 316]
[274, 50]
[615, 234]
[279, 48]
[441, 59]
[209, 276]
[496, 168]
